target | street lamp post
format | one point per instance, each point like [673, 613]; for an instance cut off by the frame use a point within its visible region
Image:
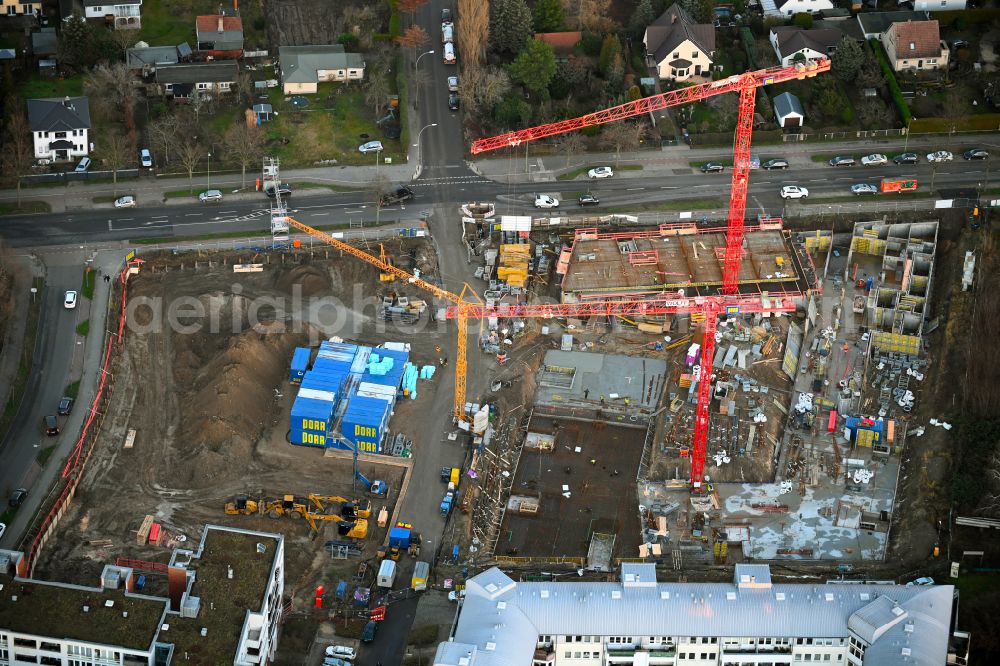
[209, 176]
[417, 144]
[417, 62]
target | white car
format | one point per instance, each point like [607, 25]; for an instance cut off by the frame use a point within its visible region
[600, 172]
[210, 195]
[921, 581]
[340, 651]
[864, 188]
[371, 147]
[3, 528]
[940, 156]
[545, 201]
[874, 159]
[146, 158]
[794, 192]
[452, 84]
[70, 300]
[125, 202]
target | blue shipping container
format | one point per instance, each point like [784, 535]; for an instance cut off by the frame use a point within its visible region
[300, 363]
[364, 423]
[332, 366]
[310, 420]
[323, 382]
[394, 376]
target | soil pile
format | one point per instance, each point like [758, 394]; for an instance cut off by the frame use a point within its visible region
[313, 280]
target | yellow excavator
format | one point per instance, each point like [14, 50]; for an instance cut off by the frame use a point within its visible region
[288, 505]
[351, 509]
[352, 529]
[243, 506]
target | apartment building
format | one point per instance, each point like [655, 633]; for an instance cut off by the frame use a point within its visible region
[203, 613]
[638, 621]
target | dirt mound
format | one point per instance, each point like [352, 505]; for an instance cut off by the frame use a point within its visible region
[313, 280]
[227, 402]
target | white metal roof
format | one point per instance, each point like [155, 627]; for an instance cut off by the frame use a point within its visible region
[503, 619]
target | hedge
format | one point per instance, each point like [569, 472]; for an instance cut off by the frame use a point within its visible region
[967, 16]
[890, 77]
[987, 122]
[746, 36]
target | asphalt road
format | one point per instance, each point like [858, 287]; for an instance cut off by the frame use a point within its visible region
[46, 385]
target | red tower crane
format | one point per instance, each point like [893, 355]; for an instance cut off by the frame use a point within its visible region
[746, 85]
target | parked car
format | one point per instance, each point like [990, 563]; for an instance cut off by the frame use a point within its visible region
[794, 192]
[452, 84]
[453, 101]
[284, 189]
[712, 167]
[51, 425]
[940, 156]
[17, 497]
[864, 188]
[906, 158]
[209, 196]
[588, 200]
[83, 166]
[125, 202]
[371, 147]
[923, 580]
[368, 633]
[399, 195]
[447, 33]
[545, 201]
[448, 56]
[65, 407]
[959, 44]
[600, 172]
[778, 163]
[446, 15]
[69, 300]
[976, 154]
[3, 528]
[842, 160]
[146, 158]
[875, 159]
[341, 651]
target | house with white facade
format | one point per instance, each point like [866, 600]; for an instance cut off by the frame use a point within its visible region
[915, 46]
[223, 605]
[874, 24]
[679, 47]
[303, 68]
[121, 14]
[939, 5]
[638, 620]
[789, 8]
[59, 126]
[792, 43]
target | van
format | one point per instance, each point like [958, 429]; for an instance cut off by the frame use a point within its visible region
[83, 166]
[449, 54]
[447, 33]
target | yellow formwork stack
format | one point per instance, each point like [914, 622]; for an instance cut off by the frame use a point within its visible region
[817, 242]
[896, 342]
[513, 268]
[869, 243]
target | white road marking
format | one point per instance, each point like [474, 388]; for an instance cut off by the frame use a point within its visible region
[634, 189]
[318, 214]
[193, 214]
[227, 212]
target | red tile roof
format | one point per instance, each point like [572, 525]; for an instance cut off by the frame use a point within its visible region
[924, 36]
[211, 23]
[561, 42]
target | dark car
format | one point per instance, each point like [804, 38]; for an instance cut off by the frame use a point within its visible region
[283, 188]
[51, 424]
[588, 200]
[453, 101]
[976, 154]
[775, 164]
[445, 15]
[399, 195]
[842, 160]
[959, 44]
[17, 497]
[65, 407]
[712, 167]
[906, 158]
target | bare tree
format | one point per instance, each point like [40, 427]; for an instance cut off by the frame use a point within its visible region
[163, 132]
[410, 6]
[117, 149]
[245, 142]
[378, 187]
[362, 21]
[494, 86]
[18, 149]
[376, 90]
[243, 87]
[623, 136]
[124, 40]
[469, 86]
[190, 153]
[112, 92]
[422, 78]
[473, 31]
[571, 144]
[592, 14]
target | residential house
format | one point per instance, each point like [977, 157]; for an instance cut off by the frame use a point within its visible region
[789, 8]
[562, 43]
[59, 126]
[181, 81]
[792, 43]
[220, 36]
[915, 45]
[20, 8]
[148, 58]
[122, 14]
[939, 5]
[679, 47]
[874, 24]
[848, 27]
[788, 110]
[303, 68]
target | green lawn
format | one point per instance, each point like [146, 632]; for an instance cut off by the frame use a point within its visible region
[26, 207]
[24, 365]
[920, 194]
[44, 455]
[170, 22]
[83, 328]
[104, 198]
[679, 204]
[570, 175]
[87, 286]
[180, 194]
[38, 86]
[826, 157]
[72, 390]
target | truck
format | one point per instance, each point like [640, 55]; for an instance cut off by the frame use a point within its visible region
[447, 502]
[898, 185]
[397, 196]
[386, 574]
[421, 572]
